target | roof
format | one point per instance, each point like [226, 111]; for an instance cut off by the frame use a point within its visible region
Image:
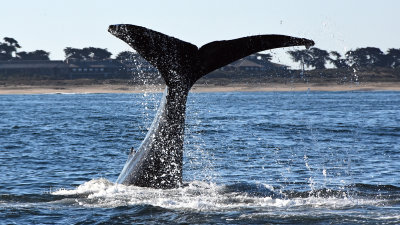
[279, 65]
[31, 64]
[245, 63]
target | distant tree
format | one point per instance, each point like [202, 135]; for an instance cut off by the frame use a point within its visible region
[73, 53]
[393, 58]
[338, 61]
[361, 57]
[35, 55]
[89, 53]
[301, 56]
[12, 42]
[8, 48]
[318, 58]
[366, 57]
[96, 53]
[126, 55]
[5, 52]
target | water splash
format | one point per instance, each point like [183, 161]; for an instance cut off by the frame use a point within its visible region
[202, 196]
[199, 161]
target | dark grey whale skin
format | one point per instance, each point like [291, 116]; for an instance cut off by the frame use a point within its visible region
[158, 161]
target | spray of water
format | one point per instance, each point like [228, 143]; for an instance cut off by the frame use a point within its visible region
[202, 197]
[197, 161]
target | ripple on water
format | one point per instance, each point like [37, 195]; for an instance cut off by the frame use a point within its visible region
[330, 157]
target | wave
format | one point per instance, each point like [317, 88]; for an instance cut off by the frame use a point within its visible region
[202, 202]
[202, 196]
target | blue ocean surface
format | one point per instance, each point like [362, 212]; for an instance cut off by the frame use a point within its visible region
[250, 158]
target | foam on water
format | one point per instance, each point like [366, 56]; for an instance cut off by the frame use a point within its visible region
[199, 196]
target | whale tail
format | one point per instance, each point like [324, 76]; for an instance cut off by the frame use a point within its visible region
[182, 63]
[158, 161]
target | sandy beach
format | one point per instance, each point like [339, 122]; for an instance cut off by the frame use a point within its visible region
[120, 88]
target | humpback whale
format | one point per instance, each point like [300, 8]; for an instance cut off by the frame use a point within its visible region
[157, 163]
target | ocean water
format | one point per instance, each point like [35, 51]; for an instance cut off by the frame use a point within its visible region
[250, 158]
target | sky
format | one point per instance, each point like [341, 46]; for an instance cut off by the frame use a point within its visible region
[339, 25]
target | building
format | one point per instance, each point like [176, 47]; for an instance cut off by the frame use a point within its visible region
[137, 64]
[55, 68]
[112, 68]
[253, 64]
[245, 65]
[68, 69]
[94, 68]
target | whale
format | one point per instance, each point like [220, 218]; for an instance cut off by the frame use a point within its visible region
[157, 163]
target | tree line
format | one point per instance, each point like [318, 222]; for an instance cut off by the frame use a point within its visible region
[9, 50]
[91, 53]
[312, 58]
[359, 58]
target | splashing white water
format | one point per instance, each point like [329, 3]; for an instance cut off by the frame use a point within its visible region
[196, 196]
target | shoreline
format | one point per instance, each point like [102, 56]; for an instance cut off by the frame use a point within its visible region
[239, 87]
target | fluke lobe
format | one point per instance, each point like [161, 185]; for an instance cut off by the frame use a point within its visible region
[158, 161]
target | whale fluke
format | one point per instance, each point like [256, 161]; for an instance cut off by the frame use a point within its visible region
[172, 56]
[220, 53]
[158, 161]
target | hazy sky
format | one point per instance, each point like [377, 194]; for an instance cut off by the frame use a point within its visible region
[338, 25]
